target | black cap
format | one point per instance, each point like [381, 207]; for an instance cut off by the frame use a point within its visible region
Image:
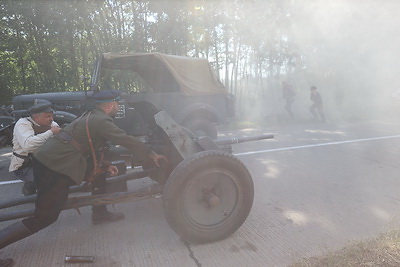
[40, 105]
[107, 96]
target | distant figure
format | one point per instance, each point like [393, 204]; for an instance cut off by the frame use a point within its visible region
[317, 107]
[288, 95]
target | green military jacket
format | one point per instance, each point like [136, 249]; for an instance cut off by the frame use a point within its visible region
[64, 158]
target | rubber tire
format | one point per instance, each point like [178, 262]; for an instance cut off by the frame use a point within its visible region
[202, 127]
[197, 168]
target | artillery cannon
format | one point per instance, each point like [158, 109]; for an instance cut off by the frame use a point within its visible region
[207, 192]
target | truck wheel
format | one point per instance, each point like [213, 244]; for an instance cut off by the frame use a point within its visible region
[208, 196]
[6, 130]
[202, 127]
[4, 140]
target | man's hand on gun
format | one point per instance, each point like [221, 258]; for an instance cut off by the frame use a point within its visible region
[158, 159]
[112, 170]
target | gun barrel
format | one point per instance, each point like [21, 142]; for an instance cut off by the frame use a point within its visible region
[241, 139]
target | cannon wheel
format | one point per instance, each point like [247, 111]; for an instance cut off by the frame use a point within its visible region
[208, 196]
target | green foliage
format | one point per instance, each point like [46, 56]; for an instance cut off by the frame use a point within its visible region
[47, 45]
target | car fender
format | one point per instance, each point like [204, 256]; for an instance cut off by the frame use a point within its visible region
[63, 117]
[199, 110]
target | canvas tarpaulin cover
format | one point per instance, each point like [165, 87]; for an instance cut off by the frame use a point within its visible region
[190, 76]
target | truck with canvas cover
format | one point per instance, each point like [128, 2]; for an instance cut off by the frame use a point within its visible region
[186, 88]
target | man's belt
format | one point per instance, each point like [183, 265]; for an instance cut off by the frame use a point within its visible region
[27, 160]
[20, 156]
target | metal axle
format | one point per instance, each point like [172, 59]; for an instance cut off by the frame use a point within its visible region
[76, 202]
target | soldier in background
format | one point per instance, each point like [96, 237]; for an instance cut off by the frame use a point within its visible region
[63, 161]
[317, 107]
[29, 134]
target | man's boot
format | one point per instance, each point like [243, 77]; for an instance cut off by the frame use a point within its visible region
[9, 235]
[13, 233]
[6, 262]
[100, 214]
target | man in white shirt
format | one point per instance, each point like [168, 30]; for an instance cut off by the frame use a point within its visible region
[30, 133]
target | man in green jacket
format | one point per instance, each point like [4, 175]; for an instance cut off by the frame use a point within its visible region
[63, 161]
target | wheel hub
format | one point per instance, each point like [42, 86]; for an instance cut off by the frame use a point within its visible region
[210, 198]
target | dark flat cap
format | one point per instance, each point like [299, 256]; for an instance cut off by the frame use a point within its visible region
[41, 107]
[107, 96]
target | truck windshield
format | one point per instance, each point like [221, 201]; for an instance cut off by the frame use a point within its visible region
[124, 80]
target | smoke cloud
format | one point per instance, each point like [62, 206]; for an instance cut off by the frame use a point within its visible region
[350, 50]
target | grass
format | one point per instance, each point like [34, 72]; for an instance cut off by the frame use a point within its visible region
[381, 251]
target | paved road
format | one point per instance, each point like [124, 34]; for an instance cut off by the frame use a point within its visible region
[318, 187]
